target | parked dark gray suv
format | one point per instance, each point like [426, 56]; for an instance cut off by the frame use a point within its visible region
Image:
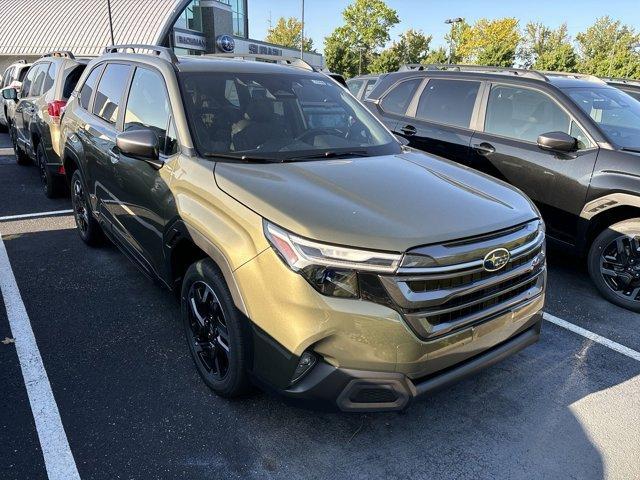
[570, 142]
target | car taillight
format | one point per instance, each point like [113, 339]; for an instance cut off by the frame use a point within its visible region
[56, 109]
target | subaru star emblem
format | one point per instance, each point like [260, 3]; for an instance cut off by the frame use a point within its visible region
[226, 43]
[496, 259]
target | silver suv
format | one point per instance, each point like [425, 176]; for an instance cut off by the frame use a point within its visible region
[35, 128]
[11, 78]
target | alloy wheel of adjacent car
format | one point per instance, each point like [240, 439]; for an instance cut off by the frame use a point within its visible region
[215, 330]
[51, 185]
[614, 263]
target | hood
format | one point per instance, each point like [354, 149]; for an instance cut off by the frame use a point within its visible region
[390, 203]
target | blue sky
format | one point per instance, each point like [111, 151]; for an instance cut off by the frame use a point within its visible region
[322, 16]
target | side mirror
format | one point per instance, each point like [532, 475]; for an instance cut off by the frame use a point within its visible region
[401, 140]
[9, 93]
[142, 144]
[557, 142]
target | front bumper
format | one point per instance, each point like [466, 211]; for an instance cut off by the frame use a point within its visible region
[365, 391]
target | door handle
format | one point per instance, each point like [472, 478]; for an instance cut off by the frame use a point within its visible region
[409, 130]
[484, 148]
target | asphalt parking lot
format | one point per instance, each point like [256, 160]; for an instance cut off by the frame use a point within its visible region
[133, 407]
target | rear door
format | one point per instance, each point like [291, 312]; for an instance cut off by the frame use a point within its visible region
[507, 148]
[440, 122]
[26, 110]
[100, 134]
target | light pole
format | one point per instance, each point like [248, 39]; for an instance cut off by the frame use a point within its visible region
[302, 37]
[113, 42]
[452, 22]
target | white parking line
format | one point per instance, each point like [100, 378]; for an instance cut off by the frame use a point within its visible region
[31, 215]
[6, 151]
[58, 458]
[593, 336]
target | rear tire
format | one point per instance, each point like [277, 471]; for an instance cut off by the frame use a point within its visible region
[52, 185]
[88, 227]
[614, 264]
[216, 331]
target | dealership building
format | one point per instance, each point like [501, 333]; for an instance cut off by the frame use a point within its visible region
[190, 27]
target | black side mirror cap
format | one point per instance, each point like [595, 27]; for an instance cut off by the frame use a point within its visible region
[9, 93]
[557, 142]
[142, 144]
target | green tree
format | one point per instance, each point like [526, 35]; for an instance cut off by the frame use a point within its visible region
[490, 42]
[458, 34]
[411, 47]
[609, 48]
[288, 33]
[546, 49]
[439, 55]
[351, 47]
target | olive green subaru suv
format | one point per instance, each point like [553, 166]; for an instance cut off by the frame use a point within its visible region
[313, 254]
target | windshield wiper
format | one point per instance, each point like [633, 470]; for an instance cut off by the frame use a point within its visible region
[631, 149]
[244, 158]
[328, 154]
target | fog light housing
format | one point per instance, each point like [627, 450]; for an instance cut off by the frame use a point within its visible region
[305, 364]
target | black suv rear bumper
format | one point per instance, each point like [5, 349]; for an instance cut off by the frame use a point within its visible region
[363, 391]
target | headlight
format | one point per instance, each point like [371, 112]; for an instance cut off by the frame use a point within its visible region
[330, 269]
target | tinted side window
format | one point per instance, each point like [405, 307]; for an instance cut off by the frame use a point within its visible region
[28, 81]
[49, 78]
[523, 114]
[398, 99]
[6, 77]
[109, 93]
[368, 87]
[448, 101]
[22, 74]
[148, 105]
[354, 86]
[89, 86]
[38, 82]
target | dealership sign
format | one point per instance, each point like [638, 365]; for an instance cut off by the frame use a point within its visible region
[189, 39]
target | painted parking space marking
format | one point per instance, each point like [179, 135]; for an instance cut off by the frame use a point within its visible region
[593, 336]
[32, 215]
[6, 151]
[58, 459]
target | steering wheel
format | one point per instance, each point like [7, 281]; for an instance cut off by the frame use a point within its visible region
[319, 131]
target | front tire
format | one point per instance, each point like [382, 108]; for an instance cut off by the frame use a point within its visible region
[87, 226]
[614, 263]
[215, 330]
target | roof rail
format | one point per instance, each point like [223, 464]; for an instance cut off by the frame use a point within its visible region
[292, 61]
[518, 72]
[579, 76]
[139, 48]
[60, 54]
[624, 81]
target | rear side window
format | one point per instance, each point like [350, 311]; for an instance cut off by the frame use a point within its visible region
[398, 99]
[72, 79]
[89, 86]
[38, 82]
[448, 101]
[148, 105]
[49, 78]
[109, 93]
[523, 114]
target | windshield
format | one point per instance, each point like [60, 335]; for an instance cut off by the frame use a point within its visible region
[617, 113]
[280, 117]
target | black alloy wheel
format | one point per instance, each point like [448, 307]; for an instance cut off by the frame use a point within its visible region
[208, 328]
[216, 331]
[52, 186]
[88, 227]
[614, 263]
